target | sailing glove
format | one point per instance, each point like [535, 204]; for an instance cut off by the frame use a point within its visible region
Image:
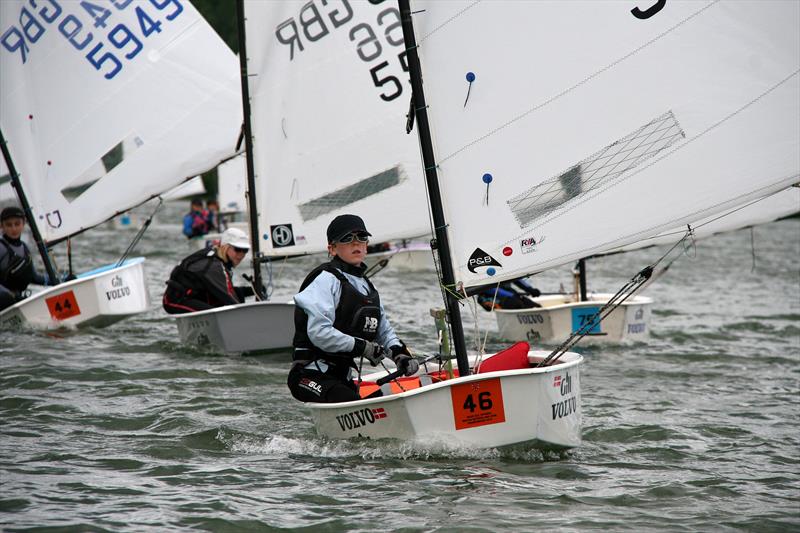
[403, 359]
[372, 351]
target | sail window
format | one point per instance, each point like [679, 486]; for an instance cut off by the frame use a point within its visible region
[601, 168]
[107, 162]
[351, 193]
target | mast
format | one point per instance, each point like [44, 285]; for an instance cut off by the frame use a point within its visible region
[582, 279]
[432, 179]
[15, 182]
[255, 237]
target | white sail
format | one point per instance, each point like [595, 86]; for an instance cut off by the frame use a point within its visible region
[232, 185]
[329, 98]
[187, 189]
[152, 75]
[599, 128]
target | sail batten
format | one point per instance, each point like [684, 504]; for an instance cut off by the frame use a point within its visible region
[637, 126]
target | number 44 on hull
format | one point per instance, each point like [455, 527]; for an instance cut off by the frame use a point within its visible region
[97, 298]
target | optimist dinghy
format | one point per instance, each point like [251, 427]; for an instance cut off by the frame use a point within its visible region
[250, 328]
[508, 401]
[97, 298]
[561, 315]
[533, 141]
[93, 123]
[308, 175]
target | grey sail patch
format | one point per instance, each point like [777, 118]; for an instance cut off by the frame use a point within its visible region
[601, 168]
[351, 193]
[107, 162]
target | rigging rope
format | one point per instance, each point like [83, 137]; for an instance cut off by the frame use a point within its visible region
[627, 290]
[140, 233]
[377, 267]
[268, 287]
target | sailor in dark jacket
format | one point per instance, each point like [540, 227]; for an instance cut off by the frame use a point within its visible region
[204, 280]
[16, 265]
[340, 321]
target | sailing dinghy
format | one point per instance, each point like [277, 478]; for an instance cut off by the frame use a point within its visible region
[561, 315]
[302, 171]
[80, 81]
[524, 113]
[250, 327]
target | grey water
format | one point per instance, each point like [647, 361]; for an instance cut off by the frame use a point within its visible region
[696, 429]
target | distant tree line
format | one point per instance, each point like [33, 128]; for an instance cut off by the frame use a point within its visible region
[221, 14]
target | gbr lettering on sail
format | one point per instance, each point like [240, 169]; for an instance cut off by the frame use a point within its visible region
[373, 27]
[375, 30]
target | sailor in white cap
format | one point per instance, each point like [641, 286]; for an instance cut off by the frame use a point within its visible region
[204, 279]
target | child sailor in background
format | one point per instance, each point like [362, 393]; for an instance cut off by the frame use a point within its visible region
[17, 270]
[204, 279]
[195, 222]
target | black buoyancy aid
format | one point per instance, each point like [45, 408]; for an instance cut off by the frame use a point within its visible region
[183, 283]
[357, 315]
[19, 272]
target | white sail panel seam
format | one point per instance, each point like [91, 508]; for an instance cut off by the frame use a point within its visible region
[448, 21]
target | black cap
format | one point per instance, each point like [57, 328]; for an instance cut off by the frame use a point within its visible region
[11, 212]
[344, 224]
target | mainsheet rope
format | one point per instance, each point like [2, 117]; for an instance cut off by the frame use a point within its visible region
[627, 290]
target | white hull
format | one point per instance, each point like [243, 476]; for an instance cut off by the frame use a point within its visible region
[97, 298]
[244, 328]
[539, 406]
[411, 256]
[560, 316]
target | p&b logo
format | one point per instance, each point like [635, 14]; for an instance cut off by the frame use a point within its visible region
[282, 235]
[370, 324]
[479, 258]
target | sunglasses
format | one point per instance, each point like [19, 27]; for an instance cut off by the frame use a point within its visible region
[361, 236]
[239, 250]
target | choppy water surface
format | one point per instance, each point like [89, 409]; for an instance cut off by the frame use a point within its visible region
[124, 429]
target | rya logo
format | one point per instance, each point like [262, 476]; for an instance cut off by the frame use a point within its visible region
[528, 244]
[479, 258]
